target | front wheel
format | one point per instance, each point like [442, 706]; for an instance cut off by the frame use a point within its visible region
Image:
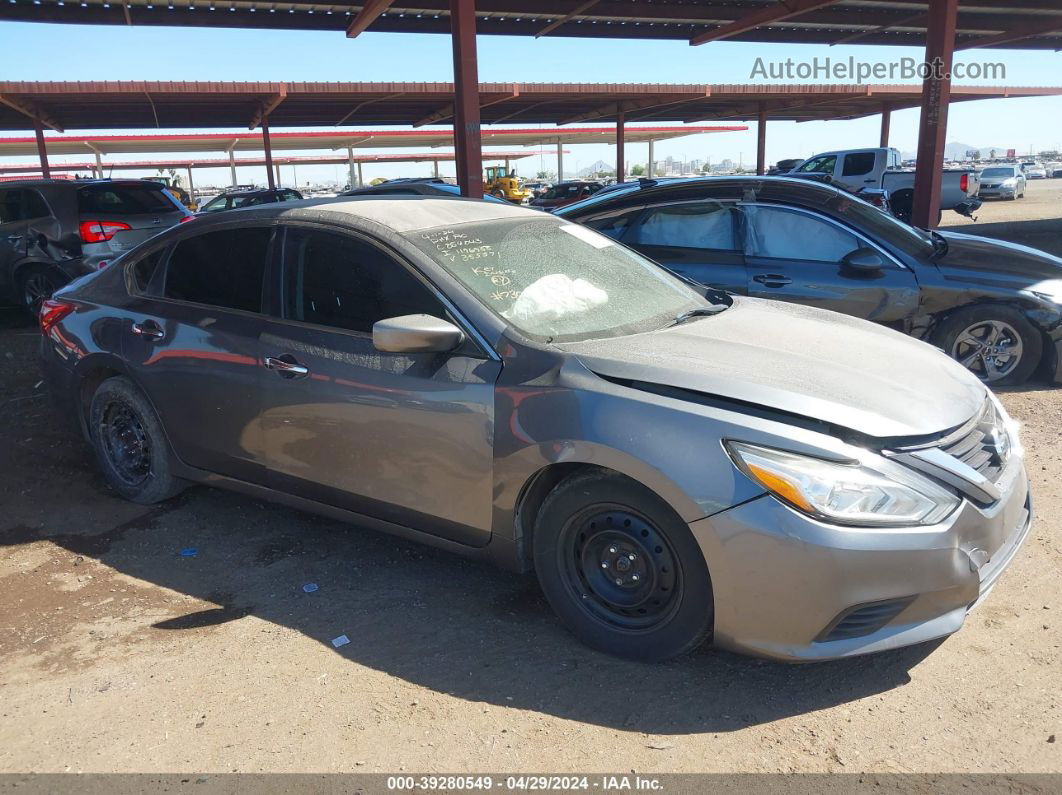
[996, 343]
[621, 569]
[130, 444]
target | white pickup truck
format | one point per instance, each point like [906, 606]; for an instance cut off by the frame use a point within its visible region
[879, 169]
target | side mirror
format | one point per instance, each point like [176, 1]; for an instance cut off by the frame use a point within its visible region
[864, 260]
[416, 334]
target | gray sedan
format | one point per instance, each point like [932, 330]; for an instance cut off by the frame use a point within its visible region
[673, 464]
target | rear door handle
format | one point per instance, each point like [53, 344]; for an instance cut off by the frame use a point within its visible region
[772, 279]
[286, 366]
[149, 328]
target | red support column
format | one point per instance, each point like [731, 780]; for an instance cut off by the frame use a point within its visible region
[42, 151]
[761, 141]
[886, 122]
[933, 123]
[620, 159]
[268, 152]
[468, 148]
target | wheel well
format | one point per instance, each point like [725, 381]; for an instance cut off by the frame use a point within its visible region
[90, 382]
[1046, 356]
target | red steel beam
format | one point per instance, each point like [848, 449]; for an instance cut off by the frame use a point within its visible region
[42, 150]
[579, 9]
[933, 122]
[468, 144]
[268, 152]
[368, 14]
[776, 13]
[268, 107]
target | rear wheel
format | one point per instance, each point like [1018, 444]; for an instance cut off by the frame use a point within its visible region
[130, 444]
[621, 570]
[499, 194]
[996, 343]
[36, 285]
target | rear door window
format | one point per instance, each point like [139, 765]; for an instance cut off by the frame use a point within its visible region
[123, 200]
[706, 225]
[224, 268]
[857, 164]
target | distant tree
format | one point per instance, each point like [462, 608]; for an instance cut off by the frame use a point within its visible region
[637, 170]
[542, 175]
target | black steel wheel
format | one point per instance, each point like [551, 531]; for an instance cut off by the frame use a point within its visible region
[130, 444]
[621, 569]
[36, 285]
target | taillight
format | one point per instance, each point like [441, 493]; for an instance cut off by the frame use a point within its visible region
[100, 231]
[186, 219]
[52, 311]
[964, 182]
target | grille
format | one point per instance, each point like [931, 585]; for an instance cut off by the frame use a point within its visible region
[855, 622]
[985, 447]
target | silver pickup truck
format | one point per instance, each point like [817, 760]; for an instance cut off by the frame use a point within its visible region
[879, 169]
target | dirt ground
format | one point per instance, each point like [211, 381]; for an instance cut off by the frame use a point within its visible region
[117, 653]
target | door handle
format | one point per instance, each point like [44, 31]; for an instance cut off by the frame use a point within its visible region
[772, 279]
[149, 328]
[286, 368]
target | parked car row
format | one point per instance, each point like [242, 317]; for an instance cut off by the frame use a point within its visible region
[674, 463]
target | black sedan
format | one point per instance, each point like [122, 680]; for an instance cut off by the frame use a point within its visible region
[994, 306]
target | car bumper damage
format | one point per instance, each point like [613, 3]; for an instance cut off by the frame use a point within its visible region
[789, 587]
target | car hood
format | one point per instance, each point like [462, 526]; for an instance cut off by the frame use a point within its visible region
[996, 262]
[813, 363]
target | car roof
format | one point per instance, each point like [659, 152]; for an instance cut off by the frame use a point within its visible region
[77, 183]
[400, 213]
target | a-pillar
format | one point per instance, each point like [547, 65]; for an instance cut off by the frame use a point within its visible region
[933, 122]
[42, 150]
[620, 154]
[886, 121]
[468, 145]
[268, 152]
[761, 140]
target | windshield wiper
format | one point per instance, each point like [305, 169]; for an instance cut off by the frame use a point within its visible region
[701, 311]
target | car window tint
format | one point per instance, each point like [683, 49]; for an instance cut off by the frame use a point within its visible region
[224, 268]
[123, 200]
[10, 206]
[145, 267]
[33, 205]
[779, 233]
[613, 225]
[858, 163]
[824, 164]
[702, 225]
[339, 281]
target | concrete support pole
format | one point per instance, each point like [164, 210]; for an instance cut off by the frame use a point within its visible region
[42, 150]
[435, 168]
[761, 141]
[99, 166]
[268, 152]
[232, 166]
[468, 145]
[191, 184]
[276, 170]
[621, 162]
[351, 168]
[651, 164]
[886, 122]
[560, 162]
[361, 177]
[933, 123]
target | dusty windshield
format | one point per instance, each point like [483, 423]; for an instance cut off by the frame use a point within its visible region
[557, 281]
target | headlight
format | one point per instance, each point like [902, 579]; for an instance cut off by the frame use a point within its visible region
[1010, 183]
[845, 493]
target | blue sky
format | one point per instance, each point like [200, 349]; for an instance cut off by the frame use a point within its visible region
[75, 52]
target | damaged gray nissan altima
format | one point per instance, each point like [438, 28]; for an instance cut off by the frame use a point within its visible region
[673, 465]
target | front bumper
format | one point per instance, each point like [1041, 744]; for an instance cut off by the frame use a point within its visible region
[997, 193]
[782, 579]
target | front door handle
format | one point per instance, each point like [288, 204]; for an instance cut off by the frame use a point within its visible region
[772, 279]
[286, 366]
[149, 328]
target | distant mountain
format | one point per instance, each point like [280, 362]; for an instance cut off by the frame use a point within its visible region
[957, 151]
[594, 168]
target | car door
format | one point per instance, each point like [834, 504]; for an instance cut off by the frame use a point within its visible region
[857, 170]
[12, 234]
[798, 255]
[192, 345]
[406, 438]
[698, 239]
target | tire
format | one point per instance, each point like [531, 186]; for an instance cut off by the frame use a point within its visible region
[499, 194]
[594, 529]
[903, 205]
[964, 334]
[36, 283]
[130, 444]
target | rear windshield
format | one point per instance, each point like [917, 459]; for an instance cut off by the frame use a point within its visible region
[123, 200]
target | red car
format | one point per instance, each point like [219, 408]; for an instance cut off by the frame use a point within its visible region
[565, 193]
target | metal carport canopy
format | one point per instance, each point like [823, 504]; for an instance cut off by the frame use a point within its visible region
[1031, 24]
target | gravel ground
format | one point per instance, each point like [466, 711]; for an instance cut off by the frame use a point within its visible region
[119, 654]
